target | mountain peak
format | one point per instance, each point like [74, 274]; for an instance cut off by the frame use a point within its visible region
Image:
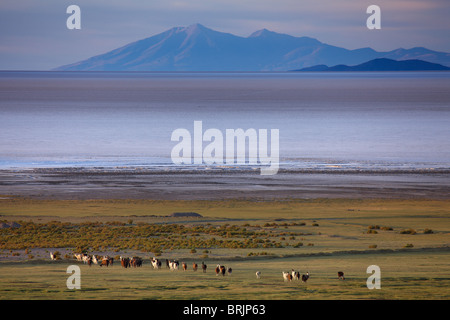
[262, 33]
[195, 27]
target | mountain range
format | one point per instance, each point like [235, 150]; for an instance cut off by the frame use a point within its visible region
[382, 64]
[197, 48]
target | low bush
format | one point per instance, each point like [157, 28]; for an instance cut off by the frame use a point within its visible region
[408, 231]
[298, 245]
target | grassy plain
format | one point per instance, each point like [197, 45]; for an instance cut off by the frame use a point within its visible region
[335, 236]
[417, 275]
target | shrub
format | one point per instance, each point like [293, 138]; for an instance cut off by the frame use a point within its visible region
[428, 231]
[408, 245]
[262, 253]
[408, 231]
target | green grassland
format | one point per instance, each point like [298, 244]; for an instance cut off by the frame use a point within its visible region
[407, 239]
[417, 275]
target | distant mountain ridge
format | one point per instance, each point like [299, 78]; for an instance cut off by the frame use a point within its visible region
[197, 48]
[382, 64]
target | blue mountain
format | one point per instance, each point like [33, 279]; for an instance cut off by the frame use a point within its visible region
[382, 64]
[197, 48]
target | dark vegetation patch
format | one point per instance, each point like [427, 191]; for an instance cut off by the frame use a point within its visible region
[146, 237]
[185, 214]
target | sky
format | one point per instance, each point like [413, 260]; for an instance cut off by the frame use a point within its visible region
[34, 36]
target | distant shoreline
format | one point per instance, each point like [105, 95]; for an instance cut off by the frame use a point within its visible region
[223, 169]
[59, 72]
[381, 65]
[75, 184]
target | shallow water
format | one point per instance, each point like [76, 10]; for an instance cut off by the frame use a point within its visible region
[385, 121]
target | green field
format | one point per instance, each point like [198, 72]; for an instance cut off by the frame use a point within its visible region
[335, 235]
[416, 275]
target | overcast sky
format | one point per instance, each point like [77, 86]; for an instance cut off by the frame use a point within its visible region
[34, 36]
